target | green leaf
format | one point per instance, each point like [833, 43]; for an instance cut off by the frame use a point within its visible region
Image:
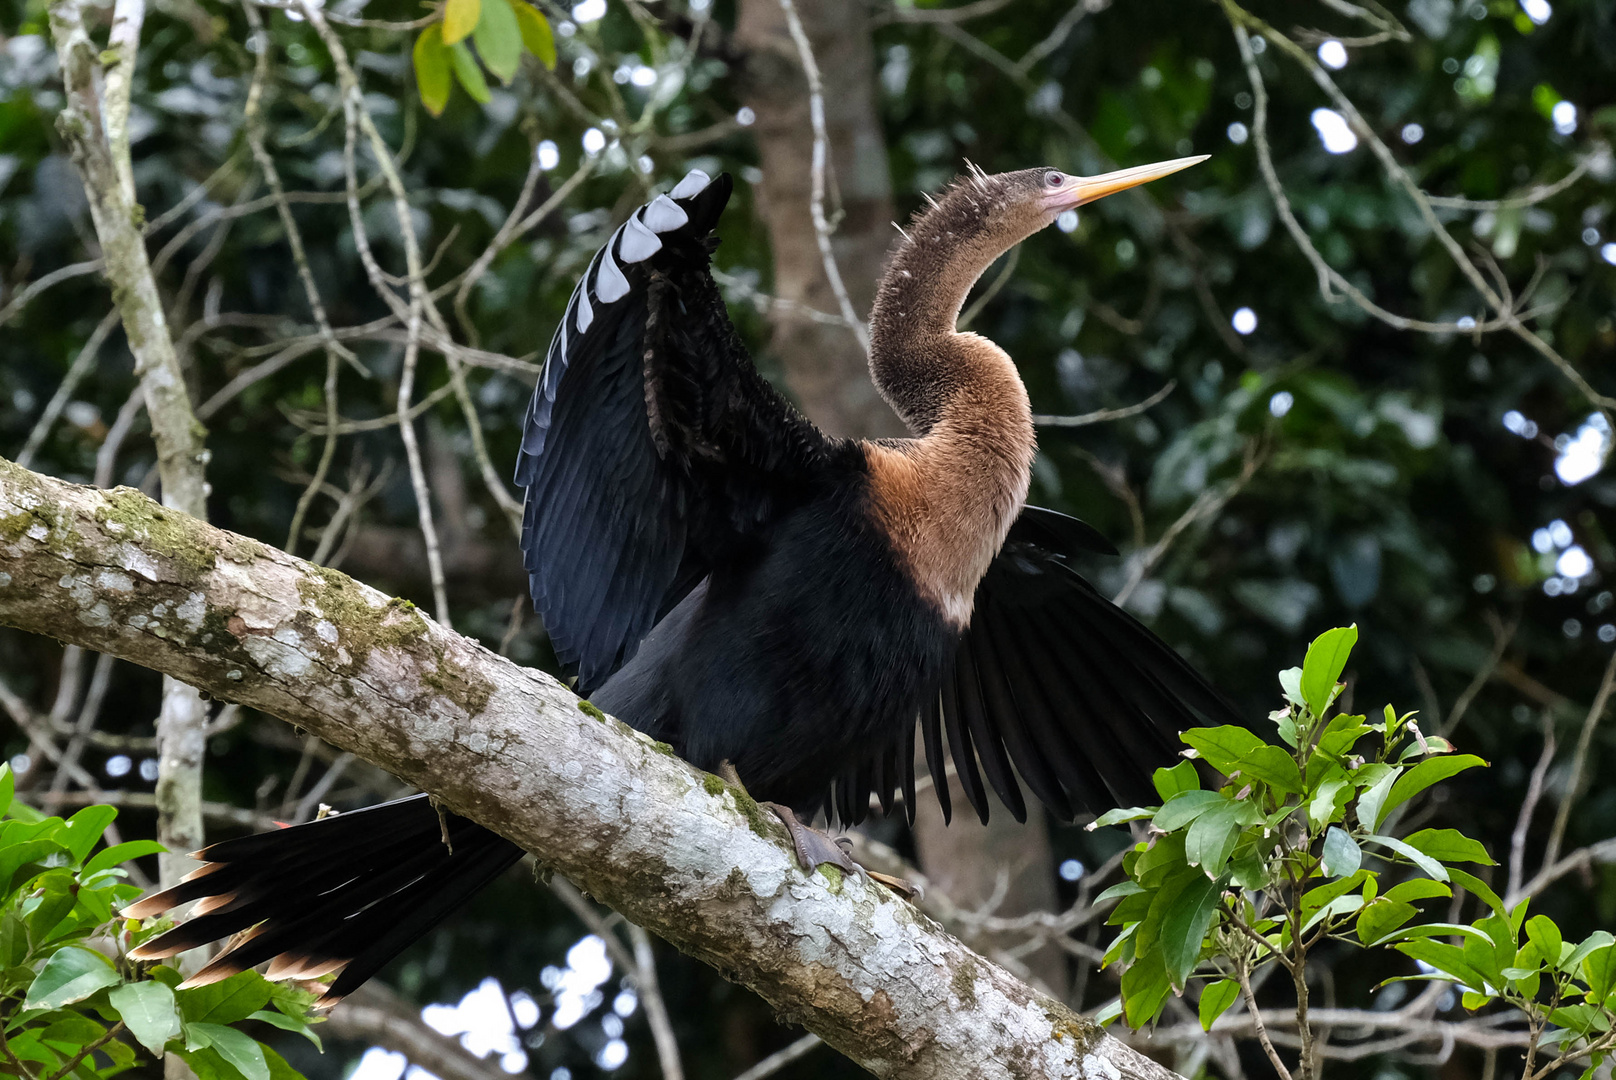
[8, 787]
[1119, 890]
[1216, 999]
[1109, 1012]
[287, 1023]
[149, 1011]
[1599, 939]
[20, 862]
[1450, 845]
[58, 894]
[498, 38]
[1418, 858]
[1117, 817]
[1224, 748]
[1380, 779]
[1448, 959]
[1181, 777]
[536, 34]
[84, 830]
[1477, 886]
[1145, 989]
[1184, 926]
[1247, 871]
[1421, 776]
[1274, 767]
[72, 974]
[460, 18]
[227, 1001]
[1599, 968]
[469, 74]
[1325, 806]
[432, 69]
[1290, 684]
[119, 854]
[1342, 855]
[1325, 894]
[1417, 889]
[1212, 837]
[240, 1050]
[1381, 917]
[1341, 735]
[1326, 659]
[1543, 933]
[1184, 807]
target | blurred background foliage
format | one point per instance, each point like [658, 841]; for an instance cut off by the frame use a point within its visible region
[1312, 465]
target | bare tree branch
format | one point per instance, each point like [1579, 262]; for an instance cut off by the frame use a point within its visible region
[675, 850]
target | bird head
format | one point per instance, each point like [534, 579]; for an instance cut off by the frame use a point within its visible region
[1030, 199]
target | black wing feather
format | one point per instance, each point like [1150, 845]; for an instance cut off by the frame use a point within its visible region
[1055, 683]
[931, 727]
[652, 449]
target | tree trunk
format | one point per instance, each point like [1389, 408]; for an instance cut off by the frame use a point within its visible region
[824, 365]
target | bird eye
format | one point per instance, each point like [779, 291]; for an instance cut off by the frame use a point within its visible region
[1053, 179]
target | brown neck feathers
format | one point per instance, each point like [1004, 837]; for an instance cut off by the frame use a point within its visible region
[915, 351]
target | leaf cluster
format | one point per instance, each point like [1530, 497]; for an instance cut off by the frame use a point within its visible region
[1295, 847]
[500, 29]
[73, 1004]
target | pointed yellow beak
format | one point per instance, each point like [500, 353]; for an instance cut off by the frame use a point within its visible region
[1079, 190]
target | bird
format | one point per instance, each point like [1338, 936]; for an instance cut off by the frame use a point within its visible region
[791, 608]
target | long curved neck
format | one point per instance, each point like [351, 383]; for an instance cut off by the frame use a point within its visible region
[948, 495]
[918, 359]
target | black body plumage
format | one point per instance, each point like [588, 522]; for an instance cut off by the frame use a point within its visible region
[710, 566]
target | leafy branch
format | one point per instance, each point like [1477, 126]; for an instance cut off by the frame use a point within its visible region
[1271, 863]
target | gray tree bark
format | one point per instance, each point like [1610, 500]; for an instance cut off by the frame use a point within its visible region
[677, 851]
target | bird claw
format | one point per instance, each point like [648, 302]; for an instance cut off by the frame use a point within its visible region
[815, 849]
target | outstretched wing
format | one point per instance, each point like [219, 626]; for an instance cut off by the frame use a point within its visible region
[1052, 682]
[652, 448]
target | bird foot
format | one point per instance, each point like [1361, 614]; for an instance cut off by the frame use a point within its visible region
[815, 848]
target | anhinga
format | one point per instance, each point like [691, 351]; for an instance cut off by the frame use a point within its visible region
[725, 577]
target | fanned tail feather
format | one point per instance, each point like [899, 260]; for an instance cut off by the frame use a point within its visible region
[342, 895]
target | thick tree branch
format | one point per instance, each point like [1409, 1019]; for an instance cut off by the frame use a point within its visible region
[675, 850]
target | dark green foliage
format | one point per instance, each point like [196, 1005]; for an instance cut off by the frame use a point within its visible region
[72, 1003]
[1270, 866]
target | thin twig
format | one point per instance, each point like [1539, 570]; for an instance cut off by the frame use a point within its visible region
[1101, 416]
[656, 1009]
[816, 203]
[1505, 317]
[781, 1058]
[1502, 635]
[252, 122]
[356, 117]
[963, 323]
[1523, 820]
[64, 392]
[1516, 202]
[1579, 762]
[1257, 1023]
[1206, 505]
[55, 277]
